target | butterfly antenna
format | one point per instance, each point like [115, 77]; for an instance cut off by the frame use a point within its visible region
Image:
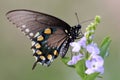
[77, 17]
[81, 34]
[87, 20]
[82, 21]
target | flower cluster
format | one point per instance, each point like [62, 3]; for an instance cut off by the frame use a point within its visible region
[94, 62]
[89, 51]
[89, 60]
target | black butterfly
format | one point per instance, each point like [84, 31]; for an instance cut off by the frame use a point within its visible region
[50, 36]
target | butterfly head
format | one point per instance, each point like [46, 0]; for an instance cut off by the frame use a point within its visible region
[76, 32]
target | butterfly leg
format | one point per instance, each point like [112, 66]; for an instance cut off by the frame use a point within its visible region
[71, 52]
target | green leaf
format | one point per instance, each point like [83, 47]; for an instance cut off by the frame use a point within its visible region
[91, 76]
[104, 47]
[80, 68]
[65, 61]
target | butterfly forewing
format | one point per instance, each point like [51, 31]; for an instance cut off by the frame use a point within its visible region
[48, 34]
[32, 21]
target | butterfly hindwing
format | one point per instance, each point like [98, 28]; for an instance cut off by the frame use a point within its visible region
[47, 44]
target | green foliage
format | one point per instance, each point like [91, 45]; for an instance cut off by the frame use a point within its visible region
[80, 68]
[91, 76]
[104, 47]
[65, 61]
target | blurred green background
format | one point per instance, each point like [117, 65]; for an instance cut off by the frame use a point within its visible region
[16, 57]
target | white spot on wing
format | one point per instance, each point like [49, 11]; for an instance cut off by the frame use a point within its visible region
[66, 31]
[70, 37]
[33, 50]
[35, 58]
[37, 34]
[33, 43]
[23, 26]
[31, 34]
[27, 30]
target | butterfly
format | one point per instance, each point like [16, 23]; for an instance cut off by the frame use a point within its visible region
[49, 35]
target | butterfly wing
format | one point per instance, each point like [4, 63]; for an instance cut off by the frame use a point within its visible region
[49, 34]
[30, 22]
[47, 46]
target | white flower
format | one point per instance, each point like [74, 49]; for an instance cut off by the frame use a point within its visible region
[95, 64]
[76, 46]
[93, 49]
[75, 59]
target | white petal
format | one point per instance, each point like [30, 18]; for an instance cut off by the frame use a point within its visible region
[89, 71]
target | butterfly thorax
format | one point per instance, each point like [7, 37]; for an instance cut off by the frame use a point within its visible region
[75, 33]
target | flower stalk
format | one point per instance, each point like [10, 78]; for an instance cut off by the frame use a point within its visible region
[89, 63]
